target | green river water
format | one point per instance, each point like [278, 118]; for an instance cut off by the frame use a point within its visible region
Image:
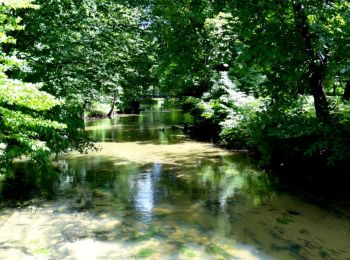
[160, 195]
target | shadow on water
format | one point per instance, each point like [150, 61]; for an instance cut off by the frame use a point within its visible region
[153, 194]
[28, 181]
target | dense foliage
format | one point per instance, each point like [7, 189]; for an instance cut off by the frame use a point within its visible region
[273, 73]
[87, 51]
[25, 127]
[269, 76]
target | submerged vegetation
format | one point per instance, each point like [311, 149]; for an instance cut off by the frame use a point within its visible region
[272, 77]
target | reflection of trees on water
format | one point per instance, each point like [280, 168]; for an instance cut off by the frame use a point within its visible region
[216, 180]
[230, 178]
[144, 186]
[139, 189]
[143, 128]
[28, 181]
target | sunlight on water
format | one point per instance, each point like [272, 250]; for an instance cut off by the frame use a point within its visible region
[153, 193]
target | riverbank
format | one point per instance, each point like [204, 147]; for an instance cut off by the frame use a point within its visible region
[309, 173]
[152, 193]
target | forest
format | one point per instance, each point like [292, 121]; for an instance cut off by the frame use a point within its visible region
[187, 129]
[267, 76]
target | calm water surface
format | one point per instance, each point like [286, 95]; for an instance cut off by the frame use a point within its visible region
[158, 194]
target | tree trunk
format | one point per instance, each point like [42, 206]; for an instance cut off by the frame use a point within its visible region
[317, 63]
[111, 112]
[346, 95]
[317, 90]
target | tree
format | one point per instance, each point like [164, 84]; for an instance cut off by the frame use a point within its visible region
[87, 50]
[24, 124]
[280, 52]
[182, 60]
[295, 44]
[298, 47]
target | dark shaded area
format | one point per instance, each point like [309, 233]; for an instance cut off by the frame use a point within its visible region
[346, 95]
[29, 181]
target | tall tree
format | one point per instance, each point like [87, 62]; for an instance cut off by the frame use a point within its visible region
[182, 61]
[25, 127]
[83, 50]
[293, 43]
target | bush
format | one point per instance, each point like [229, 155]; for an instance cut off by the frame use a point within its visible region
[285, 135]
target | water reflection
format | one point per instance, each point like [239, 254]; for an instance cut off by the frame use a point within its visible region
[146, 127]
[144, 187]
[156, 194]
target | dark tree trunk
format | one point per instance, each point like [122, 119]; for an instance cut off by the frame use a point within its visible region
[317, 63]
[334, 90]
[346, 95]
[317, 90]
[111, 112]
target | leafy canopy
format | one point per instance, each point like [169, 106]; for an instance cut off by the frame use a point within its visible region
[22, 105]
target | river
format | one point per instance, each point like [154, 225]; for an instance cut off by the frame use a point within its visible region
[157, 194]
